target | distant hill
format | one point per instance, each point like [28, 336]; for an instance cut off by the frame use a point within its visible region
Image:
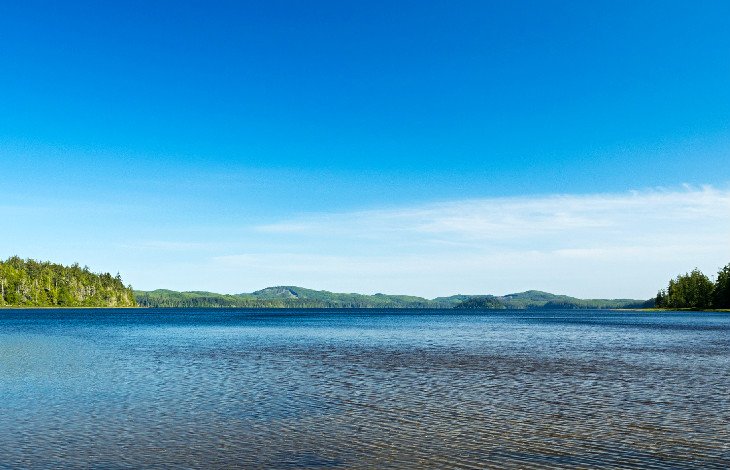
[285, 297]
[30, 283]
[299, 297]
[539, 299]
[482, 302]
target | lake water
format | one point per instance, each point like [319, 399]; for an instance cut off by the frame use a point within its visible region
[363, 389]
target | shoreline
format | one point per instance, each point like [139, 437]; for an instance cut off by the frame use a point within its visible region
[24, 307]
[687, 310]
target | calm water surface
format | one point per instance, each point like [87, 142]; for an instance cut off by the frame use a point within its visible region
[363, 389]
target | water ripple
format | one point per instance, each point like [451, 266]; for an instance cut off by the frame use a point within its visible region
[365, 391]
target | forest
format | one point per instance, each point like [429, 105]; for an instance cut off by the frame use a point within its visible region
[299, 297]
[30, 283]
[694, 290]
[284, 297]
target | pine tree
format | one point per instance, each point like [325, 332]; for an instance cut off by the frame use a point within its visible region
[721, 292]
[33, 283]
[691, 290]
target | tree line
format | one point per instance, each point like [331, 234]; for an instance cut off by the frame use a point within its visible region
[697, 291]
[31, 283]
[271, 298]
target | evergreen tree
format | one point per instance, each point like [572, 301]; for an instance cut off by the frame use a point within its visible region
[721, 293]
[31, 283]
[691, 290]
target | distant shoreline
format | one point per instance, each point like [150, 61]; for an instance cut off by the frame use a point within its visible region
[24, 307]
[537, 309]
[681, 309]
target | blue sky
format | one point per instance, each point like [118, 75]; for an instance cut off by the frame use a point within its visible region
[416, 147]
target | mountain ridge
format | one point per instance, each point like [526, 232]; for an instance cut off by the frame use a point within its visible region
[301, 297]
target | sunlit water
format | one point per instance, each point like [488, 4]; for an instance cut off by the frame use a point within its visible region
[363, 389]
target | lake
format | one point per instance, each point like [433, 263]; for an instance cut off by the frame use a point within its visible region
[363, 389]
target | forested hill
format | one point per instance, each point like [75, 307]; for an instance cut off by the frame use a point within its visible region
[545, 300]
[284, 297]
[30, 283]
[299, 297]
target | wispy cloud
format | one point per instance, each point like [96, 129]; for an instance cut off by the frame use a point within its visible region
[596, 244]
[664, 212]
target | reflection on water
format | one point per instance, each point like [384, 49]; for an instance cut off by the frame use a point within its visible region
[363, 389]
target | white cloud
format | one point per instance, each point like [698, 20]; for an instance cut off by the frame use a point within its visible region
[594, 245]
[590, 245]
[502, 218]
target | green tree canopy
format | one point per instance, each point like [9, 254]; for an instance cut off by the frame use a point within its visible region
[691, 290]
[31, 283]
[721, 294]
